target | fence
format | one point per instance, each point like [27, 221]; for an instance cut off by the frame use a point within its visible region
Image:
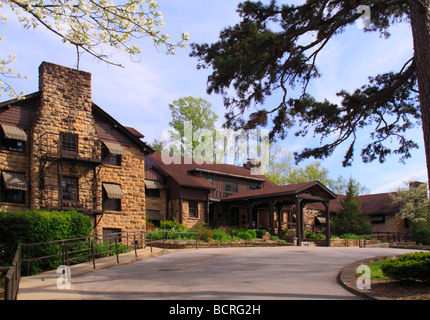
[78, 250]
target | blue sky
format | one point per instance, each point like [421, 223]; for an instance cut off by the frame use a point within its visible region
[139, 94]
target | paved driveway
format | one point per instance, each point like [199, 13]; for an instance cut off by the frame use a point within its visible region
[233, 273]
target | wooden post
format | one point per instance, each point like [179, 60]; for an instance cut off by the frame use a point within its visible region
[299, 221]
[272, 217]
[250, 215]
[327, 223]
[280, 218]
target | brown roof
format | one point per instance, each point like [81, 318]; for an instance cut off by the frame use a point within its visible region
[377, 204]
[135, 132]
[371, 204]
[22, 113]
[279, 190]
[182, 173]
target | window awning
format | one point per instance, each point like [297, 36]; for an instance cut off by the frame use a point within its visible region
[113, 191]
[321, 220]
[114, 148]
[150, 184]
[14, 181]
[12, 132]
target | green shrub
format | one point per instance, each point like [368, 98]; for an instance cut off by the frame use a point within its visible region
[244, 234]
[40, 226]
[411, 266]
[260, 233]
[219, 235]
[316, 236]
[172, 225]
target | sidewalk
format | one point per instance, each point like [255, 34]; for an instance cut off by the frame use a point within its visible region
[43, 286]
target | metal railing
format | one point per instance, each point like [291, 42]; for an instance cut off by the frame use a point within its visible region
[390, 237]
[79, 250]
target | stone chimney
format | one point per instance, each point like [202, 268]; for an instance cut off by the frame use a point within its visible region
[253, 165]
[64, 118]
[65, 106]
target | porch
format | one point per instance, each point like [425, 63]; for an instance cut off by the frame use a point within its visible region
[283, 206]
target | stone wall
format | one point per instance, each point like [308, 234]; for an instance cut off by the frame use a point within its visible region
[192, 222]
[65, 107]
[392, 223]
[131, 177]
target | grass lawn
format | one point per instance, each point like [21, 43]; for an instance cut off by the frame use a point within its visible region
[376, 272]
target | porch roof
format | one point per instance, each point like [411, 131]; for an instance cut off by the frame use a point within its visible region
[312, 191]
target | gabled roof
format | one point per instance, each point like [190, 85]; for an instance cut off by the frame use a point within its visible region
[377, 204]
[291, 189]
[371, 204]
[183, 173]
[22, 113]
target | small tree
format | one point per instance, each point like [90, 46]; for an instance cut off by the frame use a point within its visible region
[415, 207]
[349, 218]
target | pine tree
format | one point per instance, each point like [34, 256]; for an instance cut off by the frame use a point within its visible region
[349, 219]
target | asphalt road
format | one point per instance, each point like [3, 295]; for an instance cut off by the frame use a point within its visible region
[234, 273]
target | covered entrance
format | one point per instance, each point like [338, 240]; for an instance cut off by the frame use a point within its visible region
[273, 199]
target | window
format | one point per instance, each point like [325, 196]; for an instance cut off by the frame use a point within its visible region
[253, 186]
[111, 153]
[231, 186]
[377, 219]
[193, 211]
[154, 216]
[69, 143]
[12, 145]
[153, 193]
[112, 195]
[12, 138]
[210, 180]
[13, 187]
[69, 189]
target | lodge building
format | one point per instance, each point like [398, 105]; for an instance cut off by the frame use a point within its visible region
[59, 150]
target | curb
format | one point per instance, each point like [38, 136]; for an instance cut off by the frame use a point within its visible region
[43, 286]
[346, 279]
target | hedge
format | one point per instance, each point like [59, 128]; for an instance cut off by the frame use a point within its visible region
[40, 226]
[410, 266]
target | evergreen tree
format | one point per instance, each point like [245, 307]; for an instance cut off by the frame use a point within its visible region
[349, 219]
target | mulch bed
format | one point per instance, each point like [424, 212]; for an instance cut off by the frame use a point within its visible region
[401, 290]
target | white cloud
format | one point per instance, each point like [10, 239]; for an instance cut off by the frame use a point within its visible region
[392, 186]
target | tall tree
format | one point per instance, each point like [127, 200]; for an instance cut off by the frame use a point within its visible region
[275, 47]
[192, 120]
[90, 26]
[282, 170]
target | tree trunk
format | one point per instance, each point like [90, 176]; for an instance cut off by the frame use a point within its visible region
[420, 23]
